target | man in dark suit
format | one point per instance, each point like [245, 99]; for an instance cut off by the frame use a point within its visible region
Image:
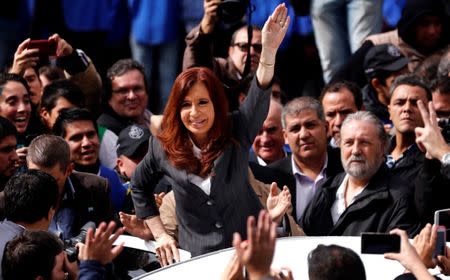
[82, 197]
[366, 197]
[305, 130]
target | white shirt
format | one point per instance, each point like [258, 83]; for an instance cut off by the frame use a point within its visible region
[261, 161]
[203, 183]
[305, 187]
[339, 204]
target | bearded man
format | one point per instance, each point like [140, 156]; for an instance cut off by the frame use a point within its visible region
[366, 197]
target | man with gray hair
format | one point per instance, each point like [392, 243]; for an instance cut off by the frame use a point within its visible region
[82, 197]
[305, 130]
[366, 197]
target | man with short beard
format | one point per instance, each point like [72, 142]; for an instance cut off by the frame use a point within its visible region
[366, 197]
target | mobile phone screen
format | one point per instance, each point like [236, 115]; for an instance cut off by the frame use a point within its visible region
[379, 243]
[442, 218]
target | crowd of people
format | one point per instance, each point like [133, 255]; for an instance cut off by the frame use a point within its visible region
[368, 153]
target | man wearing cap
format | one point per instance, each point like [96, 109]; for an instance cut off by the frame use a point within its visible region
[382, 64]
[132, 145]
[77, 127]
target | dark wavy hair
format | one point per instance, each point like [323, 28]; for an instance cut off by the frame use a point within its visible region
[174, 136]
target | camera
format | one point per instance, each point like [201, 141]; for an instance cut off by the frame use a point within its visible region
[231, 11]
[70, 244]
[444, 124]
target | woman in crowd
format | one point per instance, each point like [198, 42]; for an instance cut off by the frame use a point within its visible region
[204, 151]
[15, 105]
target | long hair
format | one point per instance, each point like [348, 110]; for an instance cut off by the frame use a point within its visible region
[174, 136]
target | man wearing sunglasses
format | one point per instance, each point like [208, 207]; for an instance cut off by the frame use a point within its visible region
[199, 52]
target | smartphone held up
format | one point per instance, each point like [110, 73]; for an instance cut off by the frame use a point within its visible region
[46, 47]
[379, 243]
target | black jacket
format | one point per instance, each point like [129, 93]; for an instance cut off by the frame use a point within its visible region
[373, 105]
[383, 205]
[432, 190]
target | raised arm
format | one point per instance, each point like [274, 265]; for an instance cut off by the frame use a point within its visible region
[273, 34]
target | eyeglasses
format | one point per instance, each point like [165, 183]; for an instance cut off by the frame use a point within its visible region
[244, 47]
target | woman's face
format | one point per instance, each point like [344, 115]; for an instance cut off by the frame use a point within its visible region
[15, 105]
[197, 113]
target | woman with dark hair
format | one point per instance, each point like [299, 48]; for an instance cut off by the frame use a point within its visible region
[204, 152]
[15, 105]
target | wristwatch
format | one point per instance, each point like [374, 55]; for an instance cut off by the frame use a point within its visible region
[445, 164]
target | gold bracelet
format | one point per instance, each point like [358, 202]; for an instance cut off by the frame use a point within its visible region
[266, 64]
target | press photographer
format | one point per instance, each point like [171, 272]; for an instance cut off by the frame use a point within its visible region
[232, 71]
[40, 254]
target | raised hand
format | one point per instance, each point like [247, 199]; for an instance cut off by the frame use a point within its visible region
[135, 226]
[256, 253]
[24, 58]
[425, 243]
[210, 15]
[275, 29]
[408, 256]
[62, 47]
[99, 245]
[429, 138]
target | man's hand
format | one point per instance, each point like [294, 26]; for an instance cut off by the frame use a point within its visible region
[24, 58]
[98, 245]
[210, 15]
[278, 202]
[408, 256]
[429, 138]
[425, 243]
[257, 253]
[135, 226]
[62, 47]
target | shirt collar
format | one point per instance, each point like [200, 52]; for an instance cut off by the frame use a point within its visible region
[297, 171]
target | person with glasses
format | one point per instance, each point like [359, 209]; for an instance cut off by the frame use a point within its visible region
[230, 70]
[125, 100]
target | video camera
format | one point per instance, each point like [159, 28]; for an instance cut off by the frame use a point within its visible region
[70, 244]
[231, 11]
[444, 124]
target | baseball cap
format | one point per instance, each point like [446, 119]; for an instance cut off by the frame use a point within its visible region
[131, 139]
[385, 57]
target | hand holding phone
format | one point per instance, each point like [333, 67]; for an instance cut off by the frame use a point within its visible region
[442, 218]
[45, 47]
[379, 243]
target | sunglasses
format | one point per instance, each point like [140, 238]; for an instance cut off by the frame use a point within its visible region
[244, 47]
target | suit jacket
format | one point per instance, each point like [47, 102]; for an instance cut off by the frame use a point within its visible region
[92, 201]
[283, 174]
[384, 204]
[207, 222]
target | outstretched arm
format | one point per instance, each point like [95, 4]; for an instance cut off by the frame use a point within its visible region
[273, 34]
